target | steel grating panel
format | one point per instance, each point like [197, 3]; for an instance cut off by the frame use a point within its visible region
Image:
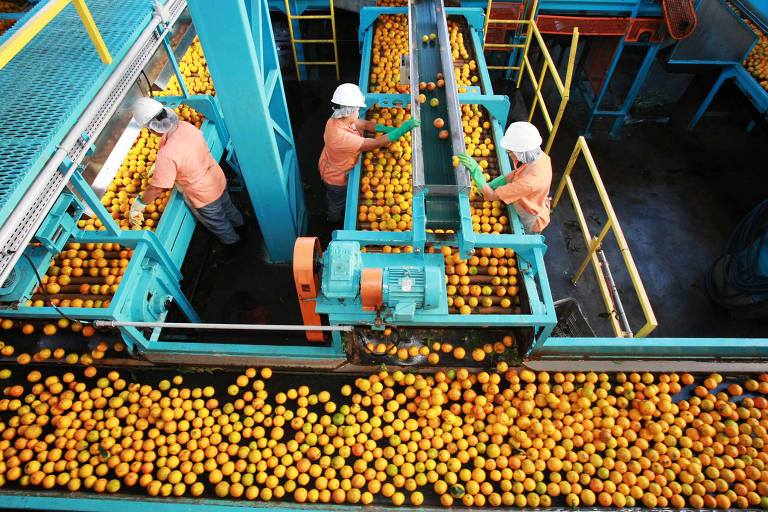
[47, 85]
[101, 105]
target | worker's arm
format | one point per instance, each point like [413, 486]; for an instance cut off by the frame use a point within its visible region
[378, 142]
[489, 194]
[518, 189]
[363, 125]
[151, 193]
[390, 136]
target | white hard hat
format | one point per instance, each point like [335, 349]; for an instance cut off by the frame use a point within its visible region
[145, 109]
[521, 136]
[348, 95]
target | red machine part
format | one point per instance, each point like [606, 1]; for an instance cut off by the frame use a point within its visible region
[633, 29]
[497, 32]
[680, 17]
[371, 282]
[308, 282]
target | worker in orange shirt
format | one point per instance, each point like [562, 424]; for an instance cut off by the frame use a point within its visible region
[183, 159]
[527, 187]
[344, 142]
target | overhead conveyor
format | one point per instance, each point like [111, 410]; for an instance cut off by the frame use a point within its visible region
[69, 136]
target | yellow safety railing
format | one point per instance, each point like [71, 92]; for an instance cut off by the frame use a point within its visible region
[40, 19]
[332, 17]
[594, 242]
[524, 67]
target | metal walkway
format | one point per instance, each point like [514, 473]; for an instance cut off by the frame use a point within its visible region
[50, 82]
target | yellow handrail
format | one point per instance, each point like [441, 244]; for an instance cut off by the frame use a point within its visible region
[297, 62]
[525, 68]
[40, 19]
[593, 242]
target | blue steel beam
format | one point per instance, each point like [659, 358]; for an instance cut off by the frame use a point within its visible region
[633, 348]
[256, 118]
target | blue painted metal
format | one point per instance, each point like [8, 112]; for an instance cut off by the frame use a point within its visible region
[246, 70]
[56, 229]
[175, 66]
[542, 318]
[621, 114]
[150, 279]
[34, 119]
[659, 348]
[649, 8]
[92, 201]
[744, 81]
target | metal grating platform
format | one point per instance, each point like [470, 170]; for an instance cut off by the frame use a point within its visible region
[49, 83]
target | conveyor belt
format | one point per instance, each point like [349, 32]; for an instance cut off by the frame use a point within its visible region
[48, 84]
[442, 211]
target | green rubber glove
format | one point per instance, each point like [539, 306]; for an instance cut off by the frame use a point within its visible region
[474, 169]
[403, 129]
[382, 128]
[498, 182]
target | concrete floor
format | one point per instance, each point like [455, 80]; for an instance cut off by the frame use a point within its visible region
[677, 194]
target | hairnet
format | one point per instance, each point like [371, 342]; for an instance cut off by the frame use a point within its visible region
[340, 111]
[164, 121]
[527, 157]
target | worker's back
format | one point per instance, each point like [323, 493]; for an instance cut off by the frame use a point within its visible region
[184, 158]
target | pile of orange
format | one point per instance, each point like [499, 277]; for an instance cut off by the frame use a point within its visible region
[504, 438]
[487, 216]
[60, 355]
[441, 353]
[83, 276]
[486, 283]
[392, 3]
[194, 69]
[757, 60]
[465, 67]
[390, 41]
[385, 195]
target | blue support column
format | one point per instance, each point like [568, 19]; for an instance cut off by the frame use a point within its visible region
[604, 87]
[246, 71]
[653, 49]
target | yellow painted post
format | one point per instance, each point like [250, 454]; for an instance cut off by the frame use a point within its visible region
[93, 32]
[568, 168]
[29, 30]
[293, 41]
[601, 281]
[536, 96]
[566, 89]
[335, 51]
[622, 243]
[487, 20]
[592, 246]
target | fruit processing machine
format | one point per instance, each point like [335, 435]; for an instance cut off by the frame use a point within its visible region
[384, 290]
[56, 175]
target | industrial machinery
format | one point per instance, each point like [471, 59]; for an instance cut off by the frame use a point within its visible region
[423, 266]
[92, 146]
[739, 56]
[408, 288]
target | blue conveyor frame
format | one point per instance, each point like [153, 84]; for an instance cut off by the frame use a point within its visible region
[754, 92]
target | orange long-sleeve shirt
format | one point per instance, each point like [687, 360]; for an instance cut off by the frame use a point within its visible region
[529, 186]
